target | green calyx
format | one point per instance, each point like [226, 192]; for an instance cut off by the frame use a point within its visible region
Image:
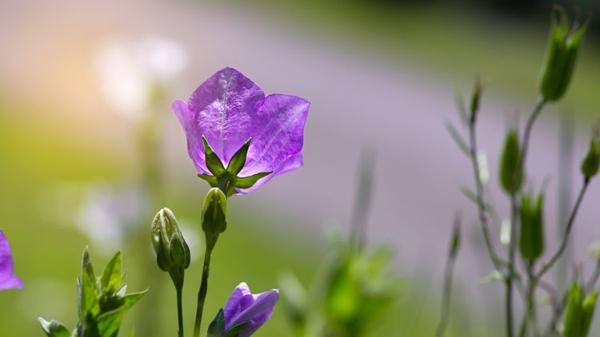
[511, 168]
[580, 312]
[531, 238]
[226, 178]
[561, 57]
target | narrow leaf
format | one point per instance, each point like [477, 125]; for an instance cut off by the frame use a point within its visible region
[112, 276]
[53, 328]
[460, 142]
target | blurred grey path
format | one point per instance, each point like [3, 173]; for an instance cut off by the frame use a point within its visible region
[358, 99]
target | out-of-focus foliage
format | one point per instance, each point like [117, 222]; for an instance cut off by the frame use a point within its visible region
[352, 291]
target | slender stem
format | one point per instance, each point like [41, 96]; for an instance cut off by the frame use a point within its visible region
[530, 318]
[512, 249]
[565, 240]
[483, 220]
[529, 127]
[180, 332]
[203, 288]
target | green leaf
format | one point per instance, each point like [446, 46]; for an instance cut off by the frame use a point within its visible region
[133, 298]
[211, 180]
[247, 182]
[237, 162]
[213, 163]
[87, 290]
[108, 323]
[53, 328]
[217, 326]
[112, 276]
[461, 106]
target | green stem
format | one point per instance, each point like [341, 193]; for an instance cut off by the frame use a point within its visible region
[203, 287]
[180, 332]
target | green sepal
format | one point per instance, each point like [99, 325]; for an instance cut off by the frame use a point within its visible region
[531, 238]
[247, 182]
[53, 328]
[237, 162]
[216, 328]
[211, 180]
[213, 163]
[511, 168]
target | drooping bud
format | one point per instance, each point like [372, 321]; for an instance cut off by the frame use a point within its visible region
[172, 252]
[214, 215]
[511, 168]
[561, 57]
[591, 162]
[531, 238]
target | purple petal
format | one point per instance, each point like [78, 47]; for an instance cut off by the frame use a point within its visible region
[257, 313]
[240, 299]
[7, 279]
[277, 135]
[223, 109]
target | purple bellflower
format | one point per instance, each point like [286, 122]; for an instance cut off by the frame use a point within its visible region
[237, 137]
[7, 279]
[253, 310]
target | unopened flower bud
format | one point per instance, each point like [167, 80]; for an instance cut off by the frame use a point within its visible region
[511, 168]
[580, 312]
[589, 165]
[531, 240]
[172, 252]
[561, 57]
[214, 215]
[475, 101]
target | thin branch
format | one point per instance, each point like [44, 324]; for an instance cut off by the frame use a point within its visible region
[548, 265]
[483, 220]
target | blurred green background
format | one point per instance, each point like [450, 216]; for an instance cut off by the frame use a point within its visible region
[62, 138]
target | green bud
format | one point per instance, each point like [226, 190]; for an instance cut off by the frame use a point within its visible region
[475, 101]
[531, 239]
[573, 323]
[172, 252]
[561, 57]
[589, 165]
[511, 169]
[214, 215]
